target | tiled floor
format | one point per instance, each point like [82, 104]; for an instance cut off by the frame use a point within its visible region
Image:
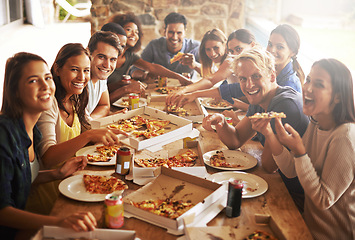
[45, 42]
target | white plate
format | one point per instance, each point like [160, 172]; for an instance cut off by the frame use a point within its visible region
[120, 102]
[92, 150]
[207, 103]
[73, 187]
[232, 156]
[250, 181]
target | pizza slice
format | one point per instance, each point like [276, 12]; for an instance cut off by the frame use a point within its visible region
[167, 208]
[177, 110]
[99, 184]
[268, 115]
[177, 57]
[187, 157]
[151, 162]
[155, 124]
[108, 151]
[260, 235]
[218, 160]
[97, 158]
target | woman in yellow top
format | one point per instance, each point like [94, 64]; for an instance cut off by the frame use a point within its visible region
[61, 125]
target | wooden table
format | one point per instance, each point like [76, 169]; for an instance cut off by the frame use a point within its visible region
[275, 202]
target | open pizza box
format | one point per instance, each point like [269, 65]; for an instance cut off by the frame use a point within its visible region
[195, 110]
[209, 199]
[51, 232]
[178, 127]
[263, 223]
[143, 175]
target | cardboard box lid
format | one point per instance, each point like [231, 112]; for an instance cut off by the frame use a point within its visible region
[177, 186]
[262, 223]
[51, 232]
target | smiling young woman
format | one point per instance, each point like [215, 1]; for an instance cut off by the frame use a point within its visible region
[28, 91]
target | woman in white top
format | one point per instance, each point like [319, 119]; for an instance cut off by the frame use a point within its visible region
[324, 159]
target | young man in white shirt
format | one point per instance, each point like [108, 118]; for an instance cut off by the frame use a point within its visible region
[104, 47]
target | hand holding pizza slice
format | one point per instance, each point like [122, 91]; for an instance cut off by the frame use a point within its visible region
[177, 57]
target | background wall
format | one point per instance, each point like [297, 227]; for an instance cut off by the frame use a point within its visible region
[202, 15]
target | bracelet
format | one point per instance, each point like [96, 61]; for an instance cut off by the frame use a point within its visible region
[298, 156]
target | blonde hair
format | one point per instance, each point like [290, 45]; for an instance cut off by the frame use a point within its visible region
[262, 59]
[206, 63]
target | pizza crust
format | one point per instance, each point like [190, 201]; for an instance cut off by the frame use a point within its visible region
[268, 115]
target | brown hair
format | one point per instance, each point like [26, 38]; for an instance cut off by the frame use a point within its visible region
[12, 105]
[342, 84]
[80, 101]
[206, 63]
[106, 37]
[123, 19]
[293, 42]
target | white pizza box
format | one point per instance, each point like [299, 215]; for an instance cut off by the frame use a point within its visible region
[148, 172]
[209, 197]
[262, 223]
[180, 127]
[51, 232]
[196, 110]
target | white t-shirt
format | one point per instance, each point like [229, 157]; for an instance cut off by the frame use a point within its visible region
[95, 94]
[34, 168]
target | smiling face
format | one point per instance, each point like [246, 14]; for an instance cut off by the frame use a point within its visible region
[318, 97]
[75, 74]
[36, 88]
[235, 47]
[215, 50]
[132, 34]
[278, 47]
[103, 61]
[175, 34]
[255, 83]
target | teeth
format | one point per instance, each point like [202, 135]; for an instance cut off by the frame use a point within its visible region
[253, 92]
[308, 98]
[78, 84]
[45, 97]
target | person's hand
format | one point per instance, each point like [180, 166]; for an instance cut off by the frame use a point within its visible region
[233, 115]
[104, 135]
[72, 165]
[135, 87]
[172, 98]
[81, 221]
[184, 99]
[289, 137]
[188, 60]
[217, 120]
[261, 125]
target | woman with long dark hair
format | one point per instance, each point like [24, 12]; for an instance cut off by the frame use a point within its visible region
[28, 91]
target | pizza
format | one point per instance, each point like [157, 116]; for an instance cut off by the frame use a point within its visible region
[108, 151]
[165, 90]
[105, 153]
[268, 115]
[177, 57]
[97, 158]
[186, 159]
[99, 184]
[166, 208]
[148, 133]
[218, 160]
[219, 103]
[260, 235]
[141, 127]
[177, 110]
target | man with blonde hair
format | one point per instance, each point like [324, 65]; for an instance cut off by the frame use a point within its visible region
[256, 72]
